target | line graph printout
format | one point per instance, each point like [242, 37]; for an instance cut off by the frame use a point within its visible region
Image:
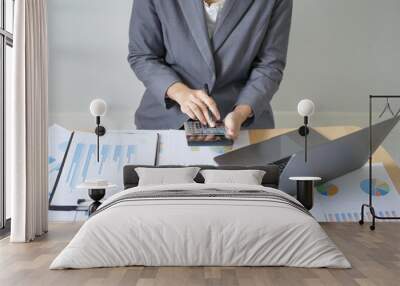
[116, 151]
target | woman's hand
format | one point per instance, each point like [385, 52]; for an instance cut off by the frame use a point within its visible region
[194, 103]
[234, 120]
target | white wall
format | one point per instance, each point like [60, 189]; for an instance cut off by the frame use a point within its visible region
[340, 51]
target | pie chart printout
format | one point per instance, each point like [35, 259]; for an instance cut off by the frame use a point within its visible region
[379, 188]
[328, 189]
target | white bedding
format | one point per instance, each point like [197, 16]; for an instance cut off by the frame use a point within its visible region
[191, 231]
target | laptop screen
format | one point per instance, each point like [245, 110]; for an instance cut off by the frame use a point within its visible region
[272, 150]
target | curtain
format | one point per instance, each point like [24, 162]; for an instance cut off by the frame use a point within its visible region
[27, 123]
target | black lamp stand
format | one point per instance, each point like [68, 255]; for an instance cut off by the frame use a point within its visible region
[370, 202]
[304, 131]
[99, 131]
[96, 195]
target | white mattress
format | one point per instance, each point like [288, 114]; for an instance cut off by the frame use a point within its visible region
[195, 231]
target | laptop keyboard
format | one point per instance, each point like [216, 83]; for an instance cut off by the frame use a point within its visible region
[282, 164]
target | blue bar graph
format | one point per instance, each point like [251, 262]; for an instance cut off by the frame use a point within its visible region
[74, 168]
[118, 155]
[90, 155]
[130, 153]
[105, 152]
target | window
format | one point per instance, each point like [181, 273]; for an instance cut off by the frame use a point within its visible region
[6, 62]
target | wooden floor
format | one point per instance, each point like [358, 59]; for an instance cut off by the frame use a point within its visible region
[375, 257]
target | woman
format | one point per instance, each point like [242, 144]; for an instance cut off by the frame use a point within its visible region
[237, 47]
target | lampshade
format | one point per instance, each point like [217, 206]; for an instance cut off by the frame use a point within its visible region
[306, 107]
[98, 107]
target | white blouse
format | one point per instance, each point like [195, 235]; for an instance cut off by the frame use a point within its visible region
[212, 12]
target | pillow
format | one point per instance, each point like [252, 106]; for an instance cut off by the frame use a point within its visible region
[247, 177]
[166, 176]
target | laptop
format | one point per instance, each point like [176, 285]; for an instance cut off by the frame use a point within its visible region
[275, 150]
[326, 159]
[336, 158]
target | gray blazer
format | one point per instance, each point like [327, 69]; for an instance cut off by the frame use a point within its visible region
[243, 63]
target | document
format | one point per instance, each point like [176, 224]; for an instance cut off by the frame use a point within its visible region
[174, 150]
[117, 149]
[73, 160]
[340, 200]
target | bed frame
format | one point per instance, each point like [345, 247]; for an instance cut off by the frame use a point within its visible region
[270, 179]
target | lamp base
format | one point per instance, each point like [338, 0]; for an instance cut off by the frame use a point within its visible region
[96, 195]
[100, 130]
[304, 130]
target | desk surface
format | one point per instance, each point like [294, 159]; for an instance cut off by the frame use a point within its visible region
[334, 132]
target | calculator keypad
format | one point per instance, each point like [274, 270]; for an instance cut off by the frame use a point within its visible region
[196, 128]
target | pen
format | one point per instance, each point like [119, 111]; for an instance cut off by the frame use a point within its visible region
[207, 91]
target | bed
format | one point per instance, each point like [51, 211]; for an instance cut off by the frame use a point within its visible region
[198, 224]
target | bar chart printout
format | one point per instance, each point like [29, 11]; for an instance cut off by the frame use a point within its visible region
[116, 151]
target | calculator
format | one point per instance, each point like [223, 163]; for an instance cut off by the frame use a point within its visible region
[198, 134]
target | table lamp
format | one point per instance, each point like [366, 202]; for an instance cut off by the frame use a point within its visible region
[98, 108]
[306, 109]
